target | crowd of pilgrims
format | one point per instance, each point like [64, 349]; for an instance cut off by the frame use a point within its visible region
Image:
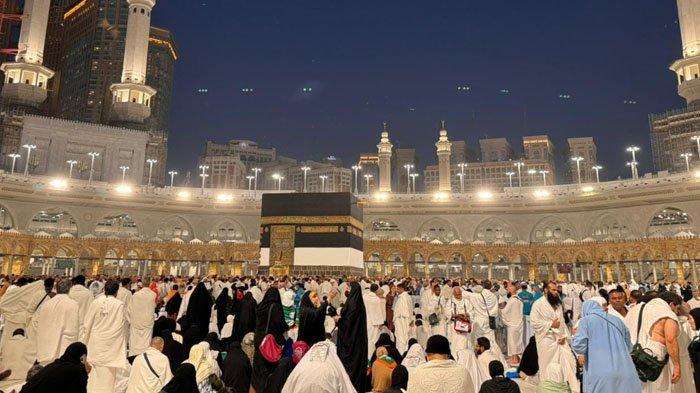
[323, 334]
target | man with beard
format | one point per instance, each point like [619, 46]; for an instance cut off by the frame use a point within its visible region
[551, 334]
[457, 314]
[437, 305]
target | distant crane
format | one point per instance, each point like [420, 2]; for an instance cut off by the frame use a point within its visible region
[4, 16]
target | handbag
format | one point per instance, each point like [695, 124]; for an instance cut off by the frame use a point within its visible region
[648, 367]
[269, 349]
[462, 325]
[433, 319]
[492, 320]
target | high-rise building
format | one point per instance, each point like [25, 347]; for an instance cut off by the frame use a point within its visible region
[370, 167]
[495, 149]
[460, 152]
[399, 160]
[321, 177]
[9, 30]
[248, 152]
[225, 172]
[671, 132]
[585, 148]
[539, 148]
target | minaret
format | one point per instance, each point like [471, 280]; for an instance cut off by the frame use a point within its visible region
[444, 149]
[384, 149]
[688, 68]
[131, 99]
[26, 78]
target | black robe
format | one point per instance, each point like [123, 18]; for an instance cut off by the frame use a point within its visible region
[279, 377]
[67, 374]
[311, 321]
[352, 337]
[184, 380]
[529, 362]
[222, 307]
[499, 385]
[162, 324]
[244, 322]
[199, 307]
[236, 370]
[173, 350]
[270, 307]
[399, 380]
[172, 307]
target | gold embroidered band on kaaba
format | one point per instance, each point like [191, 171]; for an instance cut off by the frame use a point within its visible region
[312, 220]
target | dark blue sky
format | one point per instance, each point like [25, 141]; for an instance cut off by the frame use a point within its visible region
[401, 62]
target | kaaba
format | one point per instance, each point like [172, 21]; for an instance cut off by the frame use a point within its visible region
[311, 234]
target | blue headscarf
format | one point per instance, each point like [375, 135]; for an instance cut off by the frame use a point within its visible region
[591, 307]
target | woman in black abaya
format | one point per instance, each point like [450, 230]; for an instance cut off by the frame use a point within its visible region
[312, 319]
[245, 318]
[269, 309]
[66, 374]
[352, 337]
[222, 307]
[236, 369]
[173, 350]
[199, 308]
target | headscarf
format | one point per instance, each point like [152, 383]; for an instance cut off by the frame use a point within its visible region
[67, 373]
[192, 336]
[201, 360]
[600, 300]
[269, 309]
[311, 320]
[399, 380]
[385, 341]
[156, 292]
[529, 362]
[695, 313]
[553, 380]
[172, 306]
[245, 318]
[199, 307]
[173, 350]
[184, 380]
[161, 324]
[590, 306]
[352, 337]
[236, 370]
[222, 306]
[414, 357]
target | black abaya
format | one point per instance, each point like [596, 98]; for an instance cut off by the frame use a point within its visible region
[172, 307]
[162, 324]
[279, 377]
[244, 322]
[66, 374]
[269, 308]
[199, 307]
[352, 337]
[529, 362]
[236, 370]
[173, 350]
[222, 306]
[311, 321]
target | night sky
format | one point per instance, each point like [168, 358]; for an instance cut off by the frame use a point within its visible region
[402, 61]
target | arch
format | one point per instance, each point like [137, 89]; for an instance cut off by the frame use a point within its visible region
[436, 257]
[53, 221]
[438, 229]
[493, 230]
[608, 226]
[552, 228]
[175, 226]
[383, 229]
[668, 222]
[457, 258]
[118, 225]
[228, 230]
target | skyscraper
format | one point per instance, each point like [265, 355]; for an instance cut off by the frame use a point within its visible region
[585, 148]
[399, 160]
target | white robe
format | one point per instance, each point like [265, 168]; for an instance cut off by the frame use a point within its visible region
[548, 349]
[142, 379]
[485, 358]
[58, 327]
[694, 303]
[257, 294]
[403, 315]
[467, 358]
[319, 371]
[443, 376]
[227, 329]
[437, 305]
[458, 341]
[84, 298]
[104, 333]
[375, 320]
[139, 315]
[512, 317]
[18, 356]
[17, 307]
[483, 308]
[124, 295]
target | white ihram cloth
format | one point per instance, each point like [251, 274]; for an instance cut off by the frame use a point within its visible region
[548, 349]
[104, 337]
[84, 298]
[694, 303]
[654, 311]
[17, 307]
[142, 379]
[512, 317]
[319, 371]
[483, 308]
[58, 327]
[440, 376]
[18, 356]
[467, 358]
[125, 296]
[139, 315]
[437, 305]
[375, 320]
[414, 357]
[227, 329]
[458, 341]
[403, 315]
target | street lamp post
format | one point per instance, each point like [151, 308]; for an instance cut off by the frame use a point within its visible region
[305, 169]
[687, 160]
[461, 166]
[203, 175]
[172, 177]
[696, 138]
[250, 182]
[71, 163]
[124, 168]
[632, 165]
[519, 165]
[544, 177]
[510, 175]
[279, 179]
[368, 177]
[150, 162]
[29, 148]
[356, 168]
[634, 150]
[92, 155]
[577, 160]
[413, 181]
[408, 176]
[323, 182]
[533, 175]
[597, 169]
[14, 157]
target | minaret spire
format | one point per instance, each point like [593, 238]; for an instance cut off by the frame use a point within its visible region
[688, 68]
[384, 153]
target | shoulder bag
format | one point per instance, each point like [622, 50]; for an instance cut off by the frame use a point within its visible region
[269, 349]
[492, 320]
[648, 367]
[461, 325]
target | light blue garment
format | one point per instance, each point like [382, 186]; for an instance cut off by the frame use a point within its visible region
[605, 342]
